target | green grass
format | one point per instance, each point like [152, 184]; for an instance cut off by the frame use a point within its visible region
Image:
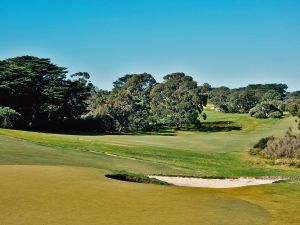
[60, 179]
[56, 195]
[19, 152]
[74, 195]
[185, 153]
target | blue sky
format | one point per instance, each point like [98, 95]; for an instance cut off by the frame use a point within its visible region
[231, 43]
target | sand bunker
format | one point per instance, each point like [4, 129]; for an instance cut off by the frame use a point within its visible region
[215, 183]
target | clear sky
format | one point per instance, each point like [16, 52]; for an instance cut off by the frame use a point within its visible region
[222, 42]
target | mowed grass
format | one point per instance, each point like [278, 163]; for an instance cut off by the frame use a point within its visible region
[74, 151]
[185, 153]
[60, 179]
[61, 195]
[19, 152]
[217, 141]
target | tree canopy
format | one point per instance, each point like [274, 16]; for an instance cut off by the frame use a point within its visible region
[177, 101]
[40, 91]
[37, 94]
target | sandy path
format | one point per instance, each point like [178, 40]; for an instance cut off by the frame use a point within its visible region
[215, 183]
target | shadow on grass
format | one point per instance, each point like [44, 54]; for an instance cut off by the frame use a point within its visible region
[217, 126]
[137, 178]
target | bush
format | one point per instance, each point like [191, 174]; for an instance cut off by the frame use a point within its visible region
[260, 146]
[258, 113]
[262, 143]
[281, 150]
[276, 114]
[287, 146]
[8, 117]
[265, 110]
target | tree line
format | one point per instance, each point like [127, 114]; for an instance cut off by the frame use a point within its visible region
[39, 95]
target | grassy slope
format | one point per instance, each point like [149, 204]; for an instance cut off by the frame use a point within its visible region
[60, 195]
[236, 140]
[186, 153]
[19, 152]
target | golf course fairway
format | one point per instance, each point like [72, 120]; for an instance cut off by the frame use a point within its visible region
[69, 195]
[59, 179]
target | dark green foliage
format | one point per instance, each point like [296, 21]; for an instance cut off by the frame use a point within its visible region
[271, 95]
[262, 143]
[120, 106]
[261, 89]
[8, 117]
[129, 102]
[276, 114]
[205, 88]
[40, 91]
[177, 101]
[137, 178]
[260, 146]
[218, 126]
[218, 97]
[98, 117]
[48, 100]
[292, 104]
[77, 95]
[32, 86]
[233, 101]
[204, 116]
[241, 100]
[265, 110]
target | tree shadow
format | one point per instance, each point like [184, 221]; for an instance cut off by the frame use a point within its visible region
[218, 126]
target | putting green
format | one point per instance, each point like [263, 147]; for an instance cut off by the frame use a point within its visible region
[61, 195]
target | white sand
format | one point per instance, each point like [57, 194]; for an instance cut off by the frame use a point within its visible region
[215, 183]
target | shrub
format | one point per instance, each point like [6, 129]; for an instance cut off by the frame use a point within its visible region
[281, 150]
[262, 143]
[265, 110]
[8, 117]
[277, 114]
[287, 146]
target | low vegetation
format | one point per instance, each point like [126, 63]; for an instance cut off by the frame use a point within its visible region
[265, 110]
[284, 149]
[8, 117]
[137, 178]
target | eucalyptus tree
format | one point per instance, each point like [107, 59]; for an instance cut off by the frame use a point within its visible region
[176, 101]
[129, 102]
